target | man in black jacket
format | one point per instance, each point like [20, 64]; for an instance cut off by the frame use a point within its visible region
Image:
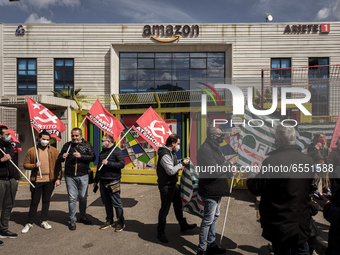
[167, 173]
[284, 206]
[212, 186]
[78, 158]
[109, 177]
[9, 178]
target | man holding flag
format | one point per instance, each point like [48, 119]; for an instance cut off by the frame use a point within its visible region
[9, 178]
[212, 187]
[51, 176]
[167, 173]
[109, 177]
[77, 160]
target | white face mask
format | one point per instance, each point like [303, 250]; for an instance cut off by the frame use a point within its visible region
[176, 148]
[44, 143]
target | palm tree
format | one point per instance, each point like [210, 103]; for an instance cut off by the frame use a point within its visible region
[67, 94]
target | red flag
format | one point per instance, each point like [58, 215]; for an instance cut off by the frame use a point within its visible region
[42, 118]
[152, 128]
[336, 134]
[14, 140]
[105, 120]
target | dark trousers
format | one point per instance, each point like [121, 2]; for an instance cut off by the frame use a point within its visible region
[169, 194]
[42, 190]
[111, 200]
[284, 249]
[8, 190]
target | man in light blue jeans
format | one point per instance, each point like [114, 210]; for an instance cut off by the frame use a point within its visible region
[212, 187]
[77, 155]
[77, 187]
[208, 225]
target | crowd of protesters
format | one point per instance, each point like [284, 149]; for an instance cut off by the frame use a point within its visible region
[286, 208]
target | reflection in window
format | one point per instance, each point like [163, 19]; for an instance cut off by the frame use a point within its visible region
[63, 74]
[26, 76]
[146, 72]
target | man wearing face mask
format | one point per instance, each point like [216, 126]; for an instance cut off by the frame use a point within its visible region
[109, 175]
[9, 177]
[77, 160]
[284, 206]
[51, 175]
[212, 186]
[167, 173]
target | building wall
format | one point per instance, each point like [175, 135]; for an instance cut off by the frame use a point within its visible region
[253, 45]
[95, 49]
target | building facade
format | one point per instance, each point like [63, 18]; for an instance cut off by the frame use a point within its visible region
[106, 59]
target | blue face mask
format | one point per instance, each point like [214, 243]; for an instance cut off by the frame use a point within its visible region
[103, 145]
[7, 138]
[76, 142]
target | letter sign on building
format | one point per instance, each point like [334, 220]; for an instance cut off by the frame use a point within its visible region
[325, 28]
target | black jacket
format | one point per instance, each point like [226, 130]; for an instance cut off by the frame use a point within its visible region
[284, 206]
[87, 155]
[163, 177]
[210, 155]
[113, 169]
[331, 212]
[7, 170]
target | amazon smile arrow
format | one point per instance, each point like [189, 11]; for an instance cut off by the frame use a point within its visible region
[177, 37]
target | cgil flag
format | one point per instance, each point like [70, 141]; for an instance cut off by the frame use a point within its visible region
[42, 118]
[152, 128]
[191, 200]
[14, 140]
[104, 120]
[256, 142]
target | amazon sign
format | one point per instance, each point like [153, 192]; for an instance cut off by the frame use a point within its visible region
[158, 32]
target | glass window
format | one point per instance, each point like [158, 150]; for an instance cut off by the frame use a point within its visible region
[282, 75]
[26, 76]
[146, 63]
[318, 74]
[63, 74]
[198, 63]
[166, 71]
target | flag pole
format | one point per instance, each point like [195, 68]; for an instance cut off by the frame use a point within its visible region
[69, 147]
[189, 137]
[36, 151]
[226, 212]
[116, 146]
[18, 169]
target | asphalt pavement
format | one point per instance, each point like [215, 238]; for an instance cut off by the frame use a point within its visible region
[141, 205]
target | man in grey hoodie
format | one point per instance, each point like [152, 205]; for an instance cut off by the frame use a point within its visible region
[167, 172]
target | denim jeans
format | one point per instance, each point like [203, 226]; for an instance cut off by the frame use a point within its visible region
[111, 200]
[284, 249]
[208, 225]
[77, 187]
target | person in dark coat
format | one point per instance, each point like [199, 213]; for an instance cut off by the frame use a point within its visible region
[284, 206]
[9, 178]
[212, 186]
[110, 175]
[331, 212]
[77, 155]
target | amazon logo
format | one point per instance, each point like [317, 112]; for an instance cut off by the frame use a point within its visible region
[158, 32]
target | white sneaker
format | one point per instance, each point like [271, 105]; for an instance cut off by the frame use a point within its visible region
[27, 228]
[45, 225]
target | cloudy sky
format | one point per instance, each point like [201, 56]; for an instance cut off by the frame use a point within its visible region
[161, 11]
